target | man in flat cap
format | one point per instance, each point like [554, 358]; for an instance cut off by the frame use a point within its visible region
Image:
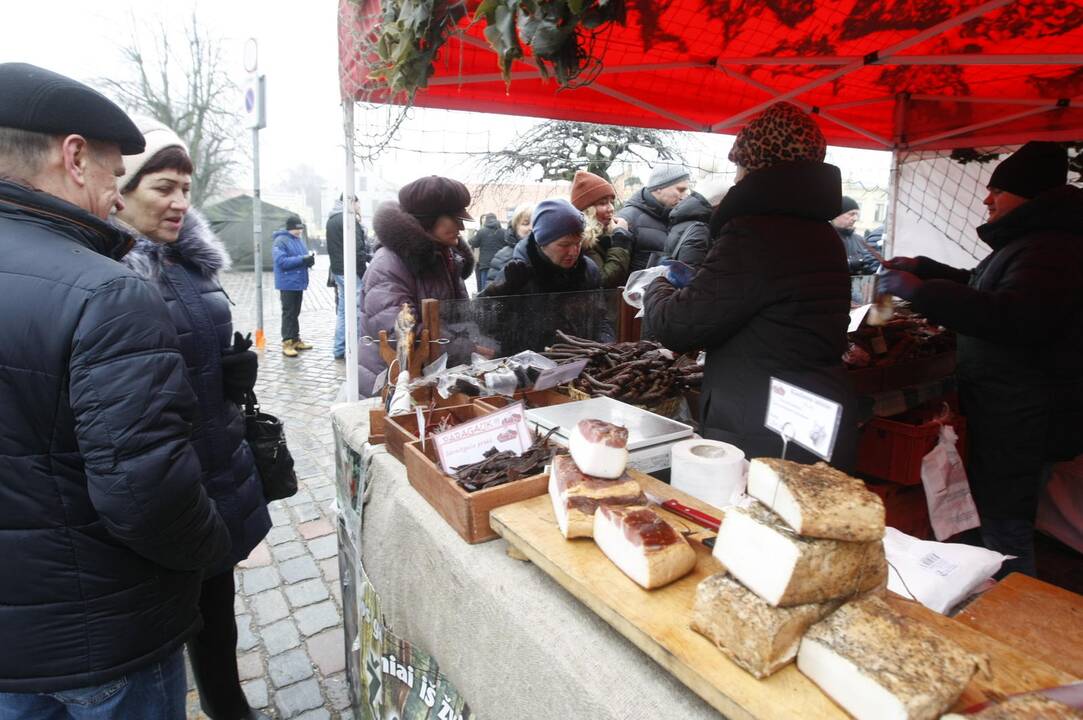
[647, 213]
[1019, 316]
[104, 525]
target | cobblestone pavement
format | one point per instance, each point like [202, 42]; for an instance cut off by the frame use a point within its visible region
[289, 604]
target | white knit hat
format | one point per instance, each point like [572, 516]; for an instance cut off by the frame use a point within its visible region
[158, 137]
[665, 175]
[713, 190]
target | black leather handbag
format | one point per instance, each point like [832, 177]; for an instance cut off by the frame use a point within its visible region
[267, 440]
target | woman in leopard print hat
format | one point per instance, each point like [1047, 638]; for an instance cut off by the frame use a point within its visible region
[772, 297]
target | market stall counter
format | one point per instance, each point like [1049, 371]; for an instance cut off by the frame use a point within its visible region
[510, 640]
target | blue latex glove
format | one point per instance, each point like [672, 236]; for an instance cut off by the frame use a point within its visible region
[677, 273]
[898, 283]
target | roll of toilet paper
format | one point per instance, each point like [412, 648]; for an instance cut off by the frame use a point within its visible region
[709, 470]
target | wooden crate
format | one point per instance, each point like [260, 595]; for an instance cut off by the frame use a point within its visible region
[530, 398]
[467, 513]
[377, 419]
[401, 429]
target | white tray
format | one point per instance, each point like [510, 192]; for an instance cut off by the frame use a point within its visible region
[644, 428]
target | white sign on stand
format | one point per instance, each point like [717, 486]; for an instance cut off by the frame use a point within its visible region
[803, 417]
[465, 444]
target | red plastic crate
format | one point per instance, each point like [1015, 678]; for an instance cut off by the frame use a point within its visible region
[905, 508]
[892, 450]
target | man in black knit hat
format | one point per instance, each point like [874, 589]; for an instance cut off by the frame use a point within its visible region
[858, 257]
[1019, 316]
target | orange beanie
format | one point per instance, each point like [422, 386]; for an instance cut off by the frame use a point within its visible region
[588, 188]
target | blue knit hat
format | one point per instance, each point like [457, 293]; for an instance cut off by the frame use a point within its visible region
[553, 219]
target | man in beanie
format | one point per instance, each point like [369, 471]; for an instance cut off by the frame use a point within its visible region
[772, 295]
[858, 255]
[292, 261]
[1019, 319]
[606, 239]
[647, 212]
[105, 527]
[488, 240]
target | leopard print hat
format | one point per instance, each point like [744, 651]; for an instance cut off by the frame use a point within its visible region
[780, 133]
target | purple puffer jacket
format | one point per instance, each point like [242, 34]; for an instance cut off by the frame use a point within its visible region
[408, 267]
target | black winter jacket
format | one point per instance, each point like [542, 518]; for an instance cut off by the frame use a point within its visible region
[1019, 316]
[186, 274]
[689, 233]
[558, 300]
[859, 258]
[333, 230]
[772, 298]
[648, 221]
[489, 239]
[503, 255]
[104, 526]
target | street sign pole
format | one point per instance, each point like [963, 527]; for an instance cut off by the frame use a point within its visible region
[255, 109]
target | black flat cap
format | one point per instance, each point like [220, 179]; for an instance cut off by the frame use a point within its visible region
[42, 101]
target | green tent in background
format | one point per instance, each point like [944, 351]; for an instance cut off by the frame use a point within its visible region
[231, 220]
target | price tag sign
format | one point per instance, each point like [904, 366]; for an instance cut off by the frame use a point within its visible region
[552, 377]
[857, 316]
[803, 417]
[464, 444]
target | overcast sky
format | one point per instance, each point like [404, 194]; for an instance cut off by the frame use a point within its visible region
[298, 53]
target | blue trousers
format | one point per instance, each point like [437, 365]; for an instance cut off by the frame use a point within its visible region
[340, 323]
[154, 692]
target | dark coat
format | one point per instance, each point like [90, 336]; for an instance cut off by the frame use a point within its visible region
[689, 233]
[503, 255]
[612, 254]
[333, 231]
[409, 267]
[104, 527]
[1019, 316]
[489, 239]
[648, 221]
[186, 274]
[289, 253]
[547, 303]
[772, 298]
[859, 258]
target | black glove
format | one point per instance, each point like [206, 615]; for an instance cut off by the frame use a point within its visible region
[310, 260]
[515, 275]
[239, 368]
[899, 283]
[622, 239]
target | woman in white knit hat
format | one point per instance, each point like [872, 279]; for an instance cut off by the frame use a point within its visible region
[177, 253]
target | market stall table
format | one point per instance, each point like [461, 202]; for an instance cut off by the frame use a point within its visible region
[1043, 620]
[517, 645]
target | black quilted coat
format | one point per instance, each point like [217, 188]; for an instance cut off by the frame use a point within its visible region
[104, 525]
[772, 298]
[186, 274]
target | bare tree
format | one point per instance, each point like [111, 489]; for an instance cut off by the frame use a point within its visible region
[190, 91]
[558, 148]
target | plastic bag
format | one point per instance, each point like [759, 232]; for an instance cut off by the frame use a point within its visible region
[637, 284]
[947, 492]
[452, 383]
[501, 382]
[938, 575]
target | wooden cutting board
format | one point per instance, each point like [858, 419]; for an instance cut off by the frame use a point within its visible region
[1035, 617]
[657, 621]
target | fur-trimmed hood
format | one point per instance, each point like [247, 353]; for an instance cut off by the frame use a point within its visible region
[401, 233]
[197, 244]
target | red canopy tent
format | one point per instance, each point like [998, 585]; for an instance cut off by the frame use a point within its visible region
[881, 74]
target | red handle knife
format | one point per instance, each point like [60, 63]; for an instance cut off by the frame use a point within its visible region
[688, 513]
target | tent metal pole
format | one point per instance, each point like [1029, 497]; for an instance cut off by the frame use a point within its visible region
[986, 100]
[257, 241]
[349, 253]
[902, 101]
[635, 102]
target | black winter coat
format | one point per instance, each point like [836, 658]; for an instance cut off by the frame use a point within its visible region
[334, 231]
[689, 232]
[859, 258]
[503, 255]
[1019, 316]
[186, 274]
[772, 298]
[489, 239]
[104, 526]
[648, 221]
[552, 307]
